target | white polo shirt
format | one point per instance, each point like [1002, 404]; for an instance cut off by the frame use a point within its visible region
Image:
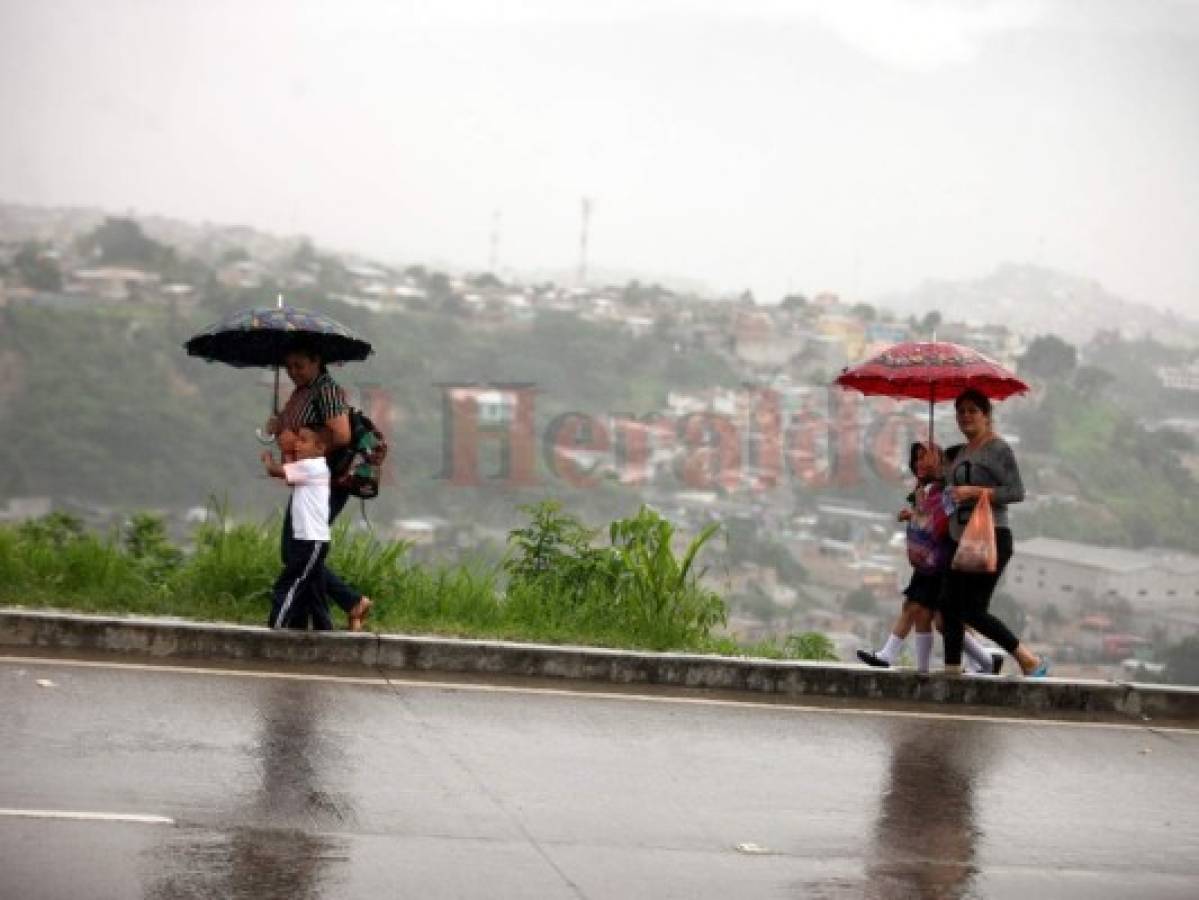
[309, 480]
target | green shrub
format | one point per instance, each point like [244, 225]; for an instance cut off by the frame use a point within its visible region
[555, 584]
[636, 587]
[230, 573]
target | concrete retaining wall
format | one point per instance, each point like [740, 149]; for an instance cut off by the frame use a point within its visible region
[181, 640]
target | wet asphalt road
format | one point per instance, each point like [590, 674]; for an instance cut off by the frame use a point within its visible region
[296, 788]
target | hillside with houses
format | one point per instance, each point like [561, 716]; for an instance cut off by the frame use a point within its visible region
[606, 396]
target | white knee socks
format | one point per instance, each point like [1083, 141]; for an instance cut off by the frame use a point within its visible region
[891, 649]
[979, 655]
[924, 650]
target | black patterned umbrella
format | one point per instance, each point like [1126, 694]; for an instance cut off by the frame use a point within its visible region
[262, 336]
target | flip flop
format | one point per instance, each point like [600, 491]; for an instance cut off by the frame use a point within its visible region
[358, 614]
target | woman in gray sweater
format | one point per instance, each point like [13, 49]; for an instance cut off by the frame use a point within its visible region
[985, 464]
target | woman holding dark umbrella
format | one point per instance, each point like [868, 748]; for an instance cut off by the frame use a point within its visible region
[985, 464]
[317, 401]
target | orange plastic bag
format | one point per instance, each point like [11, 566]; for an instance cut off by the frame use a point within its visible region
[976, 550]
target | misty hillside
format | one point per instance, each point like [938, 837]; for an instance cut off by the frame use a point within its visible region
[102, 406]
[1033, 300]
[103, 410]
[206, 242]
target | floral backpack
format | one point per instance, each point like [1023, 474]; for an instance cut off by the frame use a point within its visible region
[358, 467]
[928, 529]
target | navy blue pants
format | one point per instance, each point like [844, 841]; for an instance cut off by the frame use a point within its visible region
[298, 599]
[335, 589]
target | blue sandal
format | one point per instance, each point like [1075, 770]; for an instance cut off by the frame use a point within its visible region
[1042, 669]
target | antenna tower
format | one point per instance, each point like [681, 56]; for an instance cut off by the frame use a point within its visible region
[493, 259]
[585, 226]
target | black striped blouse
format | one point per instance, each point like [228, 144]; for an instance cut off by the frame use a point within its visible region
[314, 404]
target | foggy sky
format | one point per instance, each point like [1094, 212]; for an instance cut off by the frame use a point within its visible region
[756, 143]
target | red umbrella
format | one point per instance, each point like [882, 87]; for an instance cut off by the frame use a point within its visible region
[930, 371]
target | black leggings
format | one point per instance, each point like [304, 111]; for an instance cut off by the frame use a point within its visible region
[965, 597]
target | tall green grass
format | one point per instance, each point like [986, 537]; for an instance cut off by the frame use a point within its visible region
[556, 584]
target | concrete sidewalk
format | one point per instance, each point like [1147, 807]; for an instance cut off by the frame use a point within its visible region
[181, 641]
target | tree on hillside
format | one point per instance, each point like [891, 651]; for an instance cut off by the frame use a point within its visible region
[864, 311]
[120, 240]
[36, 268]
[930, 322]
[1048, 357]
[485, 280]
[304, 256]
[233, 255]
[439, 286]
[794, 302]
[1091, 380]
[1176, 441]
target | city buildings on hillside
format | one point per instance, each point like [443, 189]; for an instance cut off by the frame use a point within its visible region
[1071, 575]
[1179, 378]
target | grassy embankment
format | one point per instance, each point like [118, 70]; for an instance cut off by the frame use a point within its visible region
[555, 585]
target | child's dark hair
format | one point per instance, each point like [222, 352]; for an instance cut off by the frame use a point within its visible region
[317, 432]
[915, 451]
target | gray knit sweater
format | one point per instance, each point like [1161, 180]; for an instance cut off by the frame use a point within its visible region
[992, 465]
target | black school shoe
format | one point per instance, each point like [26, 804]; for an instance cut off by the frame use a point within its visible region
[869, 658]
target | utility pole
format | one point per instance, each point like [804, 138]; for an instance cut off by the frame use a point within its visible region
[493, 261]
[586, 223]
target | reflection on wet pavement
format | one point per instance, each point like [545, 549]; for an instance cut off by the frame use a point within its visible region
[323, 789]
[926, 832]
[287, 846]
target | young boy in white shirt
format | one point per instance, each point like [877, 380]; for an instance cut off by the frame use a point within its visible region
[299, 596]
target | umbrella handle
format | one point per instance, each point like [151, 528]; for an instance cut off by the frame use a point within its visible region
[263, 437]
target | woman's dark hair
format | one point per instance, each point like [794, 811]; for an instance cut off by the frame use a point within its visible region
[914, 455]
[306, 346]
[975, 396]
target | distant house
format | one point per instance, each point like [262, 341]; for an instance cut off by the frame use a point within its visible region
[638, 326]
[177, 292]
[300, 278]
[886, 333]
[849, 331]
[364, 272]
[1045, 570]
[245, 274]
[494, 408]
[1179, 378]
[410, 294]
[19, 509]
[422, 532]
[114, 282]
[825, 352]
[858, 522]
[757, 341]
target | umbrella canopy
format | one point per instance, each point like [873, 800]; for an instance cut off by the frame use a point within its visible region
[931, 371]
[261, 337]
